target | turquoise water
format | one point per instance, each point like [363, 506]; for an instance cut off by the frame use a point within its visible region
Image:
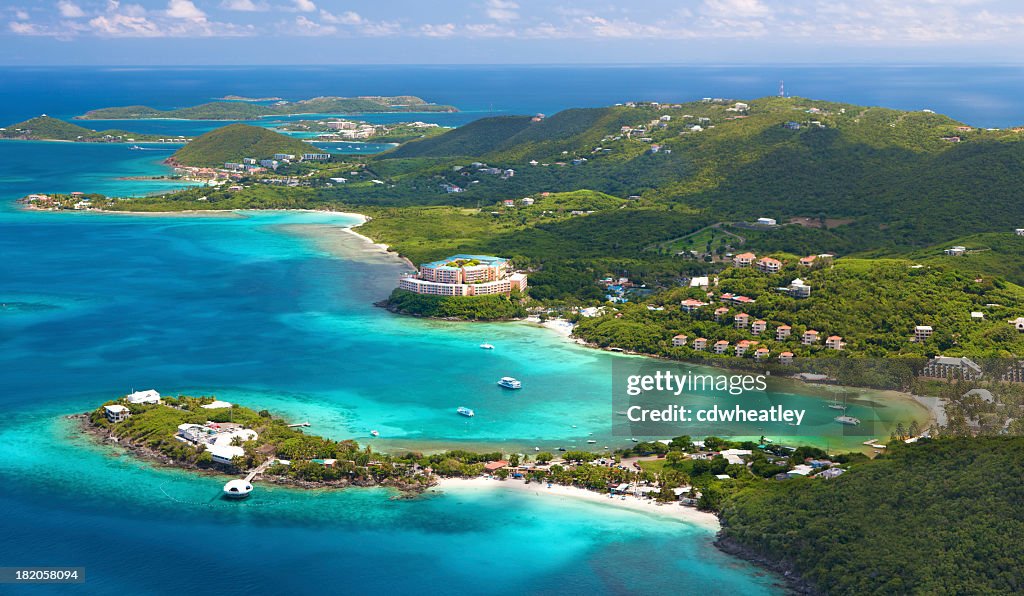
[259, 308]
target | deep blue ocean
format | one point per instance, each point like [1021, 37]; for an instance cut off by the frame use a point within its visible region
[274, 310]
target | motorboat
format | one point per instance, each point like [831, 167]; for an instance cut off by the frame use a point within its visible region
[510, 383]
[486, 346]
[464, 411]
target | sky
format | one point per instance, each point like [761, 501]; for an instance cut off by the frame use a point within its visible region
[227, 32]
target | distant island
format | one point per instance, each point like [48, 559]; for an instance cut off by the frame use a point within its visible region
[243, 98]
[47, 128]
[247, 110]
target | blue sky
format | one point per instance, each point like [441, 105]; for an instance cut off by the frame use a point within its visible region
[152, 32]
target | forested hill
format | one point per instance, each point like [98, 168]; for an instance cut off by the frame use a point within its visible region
[48, 128]
[237, 141]
[934, 517]
[887, 178]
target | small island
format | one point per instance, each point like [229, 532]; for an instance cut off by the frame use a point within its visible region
[475, 287]
[248, 110]
[47, 128]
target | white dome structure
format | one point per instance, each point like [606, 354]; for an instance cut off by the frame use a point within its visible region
[237, 489]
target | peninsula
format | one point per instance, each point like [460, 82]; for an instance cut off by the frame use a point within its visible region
[247, 110]
[825, 520]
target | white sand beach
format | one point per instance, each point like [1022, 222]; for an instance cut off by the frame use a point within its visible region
[570, 493]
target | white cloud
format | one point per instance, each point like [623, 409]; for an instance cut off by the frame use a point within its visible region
[304, 6]
[309, 28]
[345, 18]
[502, 10]
[122, 25]
[737, 9]
[70, 10]
[21, 15]
[443, 30]
[185, 9]
[244, 5]
[489, 30]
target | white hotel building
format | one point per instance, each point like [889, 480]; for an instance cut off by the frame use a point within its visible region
[464, 275]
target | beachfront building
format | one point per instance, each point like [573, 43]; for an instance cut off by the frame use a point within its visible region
[922, 333]
[944, 367]
[700, 344]
[679, 341]
[782, 332]
[786, 358]
[116, 413]
[721, 346]
[744, 259]
[761, 354]
[465, 275]
[810, 337]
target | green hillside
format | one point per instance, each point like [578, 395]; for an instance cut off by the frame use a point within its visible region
[234, 142]
[992, 253]
[873, 305]
[888, 173]
[934, 517]
[238, 110]
[46, 128]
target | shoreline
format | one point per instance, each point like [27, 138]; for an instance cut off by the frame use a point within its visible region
[688, 515]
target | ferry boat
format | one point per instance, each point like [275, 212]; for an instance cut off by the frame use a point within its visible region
[848, 420]
[237, 489]
[463, 410]
[486, 346]
[510, 383]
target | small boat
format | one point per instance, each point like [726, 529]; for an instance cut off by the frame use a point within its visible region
[591, 441]
[464, 411]
[374, 433]
[237, 489]
[510, 383]
[486, 346]
[635, 440]
[837, 406]
[848, 420]
[536, 448]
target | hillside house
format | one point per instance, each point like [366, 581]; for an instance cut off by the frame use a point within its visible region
[782, 332]
[744, 259]
[721, 346]
[758, 327]
[769, 265]
[922, 333]
[700, 344]
[810, 337]
[786, 358]
[741, 320]
[679, 341]
[834, 342]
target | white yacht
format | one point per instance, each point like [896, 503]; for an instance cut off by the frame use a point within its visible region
[510, 383]
[237, 489]
[486, 346]
[848, 420]
[463, 410]
[375, 433]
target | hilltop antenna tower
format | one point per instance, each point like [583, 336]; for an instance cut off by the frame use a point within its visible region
[782, 88]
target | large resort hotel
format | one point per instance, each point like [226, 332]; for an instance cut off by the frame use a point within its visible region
[465, 275]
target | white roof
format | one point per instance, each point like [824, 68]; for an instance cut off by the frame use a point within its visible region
[149, 396]
[225, 451]
[216, 405]
[238, 485]
[699, 282]
[723, 476]
[622, 487]
[802, 470]
[923, 328]
[116, 408]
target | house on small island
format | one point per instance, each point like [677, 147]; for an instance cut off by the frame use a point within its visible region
[465, 275]
[116, 413]
[149, 396]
